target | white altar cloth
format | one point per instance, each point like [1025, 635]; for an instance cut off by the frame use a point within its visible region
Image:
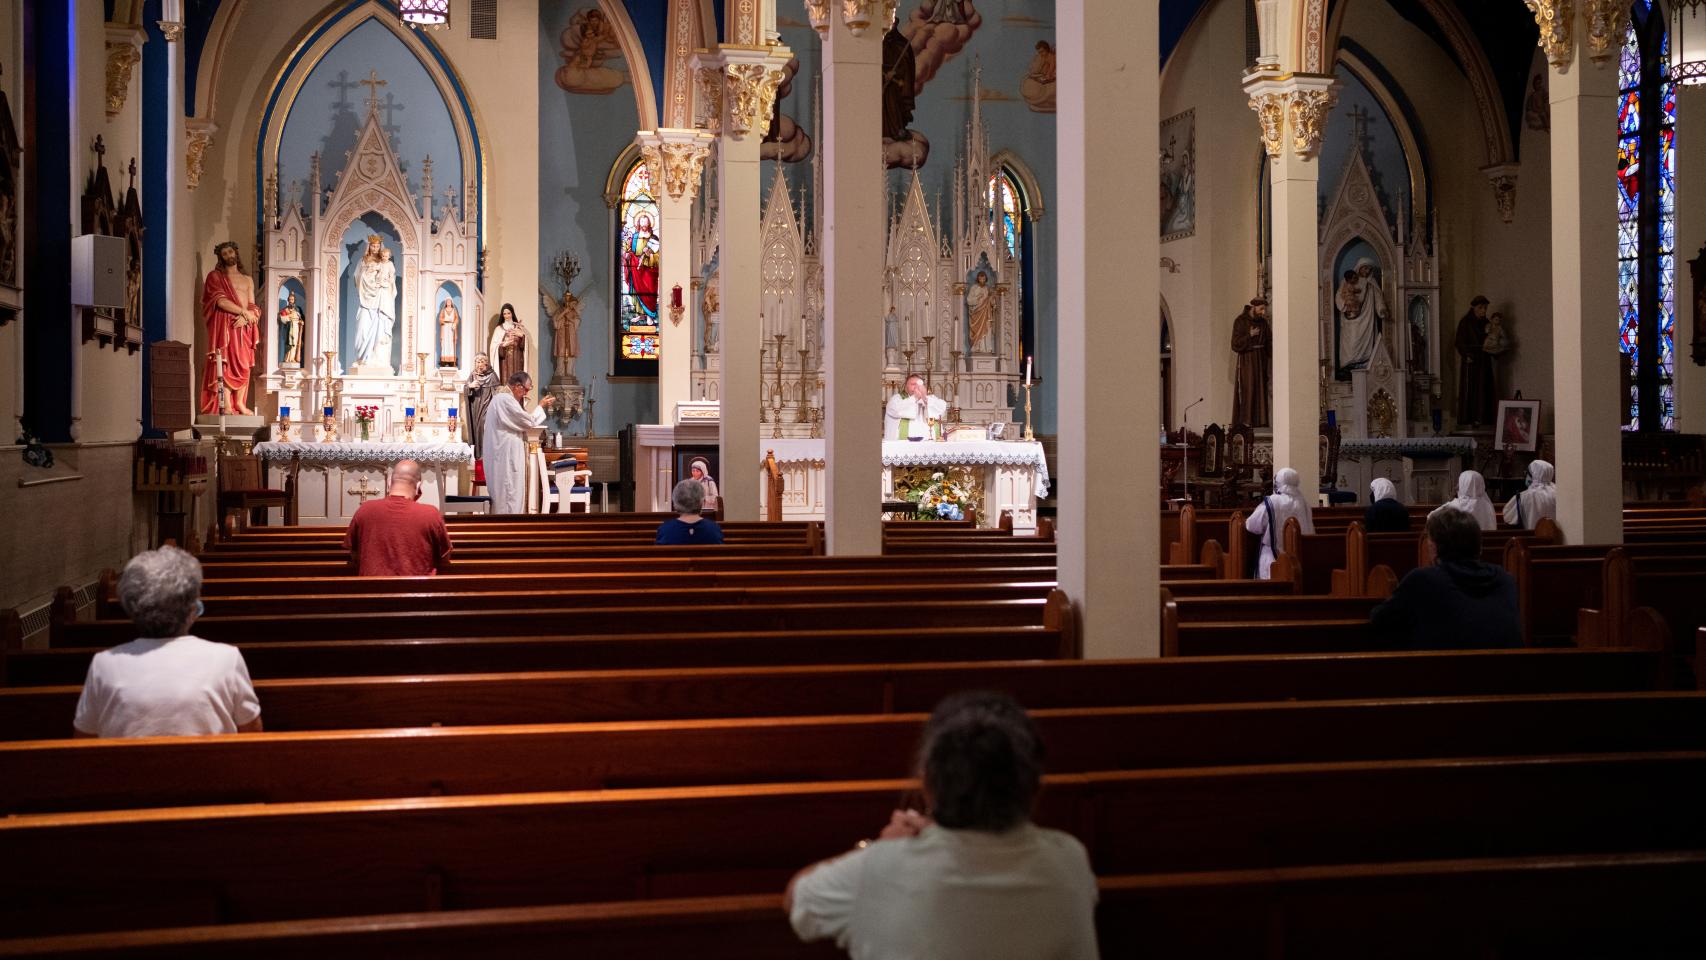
[337, 478]
[957, 453]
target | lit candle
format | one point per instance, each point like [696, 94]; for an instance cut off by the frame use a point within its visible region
[1027, 371]
[675, 297]
[284, 413]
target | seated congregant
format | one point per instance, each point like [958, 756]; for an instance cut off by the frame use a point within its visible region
[1385, 514]
[1267, 519]
[166, 682]
[1457, 603]
[688, 526]
[908, 414]
[1471, 499]
[396, 536]
[973, 877]
[1539, 500]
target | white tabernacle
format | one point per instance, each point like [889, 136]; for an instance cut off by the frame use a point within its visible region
[1014, 474]
[336, 478]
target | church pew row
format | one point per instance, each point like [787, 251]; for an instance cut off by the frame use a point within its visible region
[280, 767]
[635, 613]
[1609, 904]
[1186, 531]
[1338, 562]
[569, 550]
[1596, 592]
[680, 693]
[176, 866]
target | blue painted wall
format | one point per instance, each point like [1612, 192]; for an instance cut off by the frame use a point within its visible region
[1385, 152]
[580, 138]
[328, 113]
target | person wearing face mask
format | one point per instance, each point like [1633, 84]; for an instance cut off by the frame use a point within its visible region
[1539, 500]
[395, 536]
[1472, 499]
[1385, 514]
[1268, 519]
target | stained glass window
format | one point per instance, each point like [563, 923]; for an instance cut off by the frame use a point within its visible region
[1646, 219]
[1005, 210]
[638, 260]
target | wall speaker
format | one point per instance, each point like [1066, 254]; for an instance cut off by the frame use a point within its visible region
[97, 271]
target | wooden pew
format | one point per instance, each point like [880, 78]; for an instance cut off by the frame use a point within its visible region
[330, 703]
[278, 767]
[1614, 904]
[801, 613]
[236, 863]
[1585, 595]
[1231, 626]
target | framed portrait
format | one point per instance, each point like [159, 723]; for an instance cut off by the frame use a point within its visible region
[1518, 425]
[686, 456]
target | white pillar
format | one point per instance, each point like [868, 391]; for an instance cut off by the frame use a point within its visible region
[1690, 236]
[1584, 303]
[1292, 110]
[676, 158]
[747, 78]
[1107, 140]
[853, 280]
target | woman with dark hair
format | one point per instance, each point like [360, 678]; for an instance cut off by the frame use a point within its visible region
[973, 877]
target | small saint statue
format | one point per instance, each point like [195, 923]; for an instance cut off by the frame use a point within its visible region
[449, 322]
[290, 316]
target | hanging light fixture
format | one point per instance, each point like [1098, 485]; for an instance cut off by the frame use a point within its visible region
[1688, 41]
[424, 13]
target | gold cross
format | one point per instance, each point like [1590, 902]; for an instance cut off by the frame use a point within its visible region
[362, 491]
[372, 83]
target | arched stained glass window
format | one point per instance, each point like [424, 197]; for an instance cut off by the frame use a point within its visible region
[1006, 210]
[638, 259]
[1646, 219]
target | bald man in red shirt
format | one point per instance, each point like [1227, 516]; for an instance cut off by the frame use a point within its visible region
[397, 537]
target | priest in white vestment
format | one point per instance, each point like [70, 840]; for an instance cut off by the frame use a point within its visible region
[505, 439]
[908, 415]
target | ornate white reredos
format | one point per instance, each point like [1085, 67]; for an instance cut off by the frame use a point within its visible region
[303, 236]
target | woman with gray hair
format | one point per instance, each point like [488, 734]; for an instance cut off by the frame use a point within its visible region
[166, 682]
[688, 527]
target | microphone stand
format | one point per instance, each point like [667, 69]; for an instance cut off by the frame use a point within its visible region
[1185, 447]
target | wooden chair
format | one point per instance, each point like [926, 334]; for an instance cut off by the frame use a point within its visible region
[570, 482]
[243, 490]
[1330, 438]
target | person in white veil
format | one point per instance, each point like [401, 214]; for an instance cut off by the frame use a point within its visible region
[1385, 514]
[1268, 519]
[1539, 500]
[1472, 499]
[700, 470]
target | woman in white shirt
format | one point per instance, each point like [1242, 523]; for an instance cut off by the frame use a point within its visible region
[166, 683]
[1268, 518]
[974, 878]
[1472, 499]
[1539, 500]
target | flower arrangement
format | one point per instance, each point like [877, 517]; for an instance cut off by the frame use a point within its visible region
[364, 417]
[940, 495]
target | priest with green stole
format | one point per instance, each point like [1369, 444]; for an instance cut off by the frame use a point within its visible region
[909, 414]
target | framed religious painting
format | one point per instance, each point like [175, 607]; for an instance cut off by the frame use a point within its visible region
[1518, 426]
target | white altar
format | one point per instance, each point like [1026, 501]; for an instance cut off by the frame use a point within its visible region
[1014, 473]
[337, 478]
[1424, 469]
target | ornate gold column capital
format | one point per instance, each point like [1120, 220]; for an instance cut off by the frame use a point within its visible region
[860, 14]
[1270, 113]
[675, 159]
[817, 11]
[198, 136]
[1607, 21]
[1298, 100]
[124, 52]
[1503, 179]
[1555, 18]
[749, 92]
[173, 30]
[1308, 114]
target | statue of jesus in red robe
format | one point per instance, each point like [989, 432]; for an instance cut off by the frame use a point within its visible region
[233, 327]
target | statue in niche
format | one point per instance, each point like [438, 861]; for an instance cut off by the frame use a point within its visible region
[507, 348]
[376, 293]
[981, 304]
[233, 327]
[1362, 314]
[1477, 379]
[449, 325]
[481, 388]
[1253, 341]
[290, 318]
[711, 314]
[1037, 86]
[11, 148]
[587, 44]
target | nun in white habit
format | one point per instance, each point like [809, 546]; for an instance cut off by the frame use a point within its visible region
[1268, 519]
[1539, 500]
[1472, 499]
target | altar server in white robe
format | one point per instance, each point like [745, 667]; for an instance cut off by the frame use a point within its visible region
[1267, 519]
[1472, 499]
[506, 443]
[908, 415]
[1539, 500]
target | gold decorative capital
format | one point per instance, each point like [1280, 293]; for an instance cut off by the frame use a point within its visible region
[751, 96]
[1270, 113]
[1503, 179]
[1554, 18]
[652, 157]
[173, 30]
[860, 14]
[1607, 22]
[1308, 112]
[122, 58]
[817, 11]
[710, 80]
[198, 136]
[683, 164]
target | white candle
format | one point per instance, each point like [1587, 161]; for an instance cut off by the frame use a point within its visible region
[1027, 371]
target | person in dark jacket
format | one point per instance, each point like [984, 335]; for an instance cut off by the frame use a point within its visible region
[688, 526]
[1385, 514]
[1458, 603]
